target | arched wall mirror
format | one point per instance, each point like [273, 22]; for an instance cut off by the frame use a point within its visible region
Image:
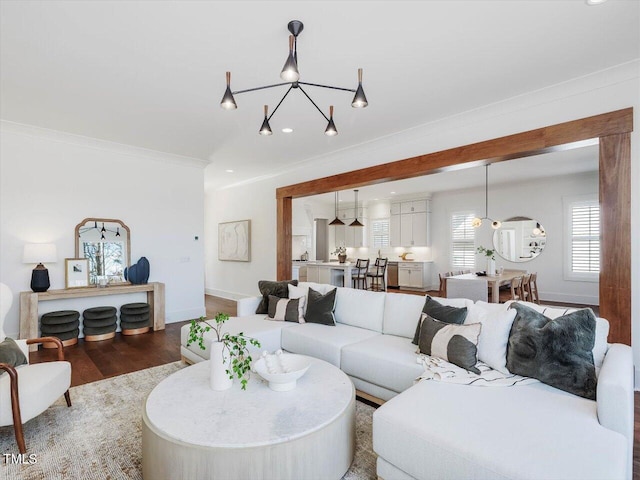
[106, 243]
[520, 239]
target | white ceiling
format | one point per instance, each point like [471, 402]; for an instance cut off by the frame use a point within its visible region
[151, 73]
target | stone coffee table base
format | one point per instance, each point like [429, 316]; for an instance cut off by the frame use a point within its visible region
[190, 431]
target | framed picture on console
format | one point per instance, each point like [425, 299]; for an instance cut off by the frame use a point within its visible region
[234, 241]
[76, 272]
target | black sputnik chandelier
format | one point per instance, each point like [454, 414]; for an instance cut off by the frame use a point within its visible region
[291, 76]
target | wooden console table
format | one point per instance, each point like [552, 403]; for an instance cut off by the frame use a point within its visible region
[29, 303]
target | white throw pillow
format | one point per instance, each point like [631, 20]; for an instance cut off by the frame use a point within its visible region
[496, 322]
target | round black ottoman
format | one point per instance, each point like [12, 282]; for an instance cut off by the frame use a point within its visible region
[135, 318]
[62, 324]
[100, 323]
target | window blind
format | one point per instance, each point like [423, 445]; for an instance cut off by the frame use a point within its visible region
[462, 240]
[585, 238]
[380, 232]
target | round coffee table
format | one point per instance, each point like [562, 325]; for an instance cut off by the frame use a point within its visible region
[192, 431]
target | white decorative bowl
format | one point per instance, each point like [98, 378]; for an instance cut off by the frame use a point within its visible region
[282, 371]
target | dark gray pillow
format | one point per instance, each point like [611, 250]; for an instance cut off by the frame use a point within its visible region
[277, 289]
[440, 312]
[11, 353]
[456, 344]
[320, 307]
[557, 352]
[285, 309]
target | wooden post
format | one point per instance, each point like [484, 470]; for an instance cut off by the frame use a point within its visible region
[284, 260]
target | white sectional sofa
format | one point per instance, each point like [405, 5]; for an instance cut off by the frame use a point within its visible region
[435, 430]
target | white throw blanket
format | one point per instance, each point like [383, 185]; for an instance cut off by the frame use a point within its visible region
[443, 371]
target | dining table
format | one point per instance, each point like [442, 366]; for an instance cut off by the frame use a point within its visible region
[494, 281]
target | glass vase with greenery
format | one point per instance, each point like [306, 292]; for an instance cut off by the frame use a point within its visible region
[487, 252]
[236, 346]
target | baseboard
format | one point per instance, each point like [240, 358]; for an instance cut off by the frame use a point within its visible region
[224, 294]
[568, 298]
[182, 315]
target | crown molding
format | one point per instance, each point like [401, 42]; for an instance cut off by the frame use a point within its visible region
[97, 144]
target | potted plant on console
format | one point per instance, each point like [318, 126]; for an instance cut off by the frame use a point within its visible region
[491, 259]
[229, 354]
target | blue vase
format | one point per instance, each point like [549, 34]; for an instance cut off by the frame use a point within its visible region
[138, 273]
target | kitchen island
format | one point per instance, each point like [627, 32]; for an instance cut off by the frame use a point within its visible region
[332, 273]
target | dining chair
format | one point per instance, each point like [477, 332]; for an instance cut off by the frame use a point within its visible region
[533, 288]
[442, 291]
[359, 274]
[516, 288]
[377, 275]
[526, 287]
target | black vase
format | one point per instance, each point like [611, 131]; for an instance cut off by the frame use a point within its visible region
[138, 273]
[40, 279]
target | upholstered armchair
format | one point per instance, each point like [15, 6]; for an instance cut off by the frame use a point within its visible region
[28, 390]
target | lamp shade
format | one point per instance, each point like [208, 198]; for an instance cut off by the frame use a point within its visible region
[39, 253]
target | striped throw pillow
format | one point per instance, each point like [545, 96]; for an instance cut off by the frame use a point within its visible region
[457, 344]
[286, 309]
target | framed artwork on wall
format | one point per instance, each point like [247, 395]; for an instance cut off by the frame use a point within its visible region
[76, 272]
[234, 241]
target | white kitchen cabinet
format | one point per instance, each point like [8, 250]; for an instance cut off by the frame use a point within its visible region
[410, 228]
[395, 209]
[351, 237]
[414, 275]
[313, 273]
[394, 229]
[415, 206]
[324, 276]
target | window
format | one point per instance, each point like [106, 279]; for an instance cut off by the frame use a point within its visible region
[583, 239]
[380, 232]
[462, 240]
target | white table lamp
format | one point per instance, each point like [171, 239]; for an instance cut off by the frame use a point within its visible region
[39, 253]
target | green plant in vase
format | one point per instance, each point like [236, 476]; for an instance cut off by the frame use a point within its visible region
[487, 252]
[235, 346]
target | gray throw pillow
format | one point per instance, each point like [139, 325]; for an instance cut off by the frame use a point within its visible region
[457, 344]
[444, 313]
[320, 307]
[277, 289]
[11, 353]
[557, 352]
[285, 309]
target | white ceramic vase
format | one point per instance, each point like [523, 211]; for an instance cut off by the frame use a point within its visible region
[220, 363]
[491, 266]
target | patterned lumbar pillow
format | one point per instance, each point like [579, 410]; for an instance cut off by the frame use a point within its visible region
[286, 309]
[558, 352]
[278, 289]
[441, 312]
[11, 353]
[321, 307]
[457, 344]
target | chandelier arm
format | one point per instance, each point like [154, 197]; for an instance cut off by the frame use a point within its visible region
[328, 86]
[261, 88]
[314, 104]
[279, 103]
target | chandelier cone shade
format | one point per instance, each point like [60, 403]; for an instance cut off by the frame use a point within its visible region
[356, 222]
[265, 129]
[290, 74]
[336, 221]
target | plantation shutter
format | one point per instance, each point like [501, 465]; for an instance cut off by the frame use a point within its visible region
[380, 232]
[462, 240]
[585, 237]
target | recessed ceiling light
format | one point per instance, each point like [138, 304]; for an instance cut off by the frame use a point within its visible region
[594, 2]
[228, 170]
[393, 193]
[287, 130]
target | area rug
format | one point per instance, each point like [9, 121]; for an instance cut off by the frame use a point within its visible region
[100, 436]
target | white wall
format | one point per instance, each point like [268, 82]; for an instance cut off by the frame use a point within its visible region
[50, 181]
[538, 199]
[605, 91]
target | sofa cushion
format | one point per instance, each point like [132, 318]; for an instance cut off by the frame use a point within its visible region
[437, 430]
[318, 287]
[286, 309]
[400, 313]
[321, 307]
[602, 328]
[360, 308]
[255, 326]
[557, 352]
[496, 322]
[388, 361]
[457, 344]
[442, 311]
[278, 289]
[321, 341]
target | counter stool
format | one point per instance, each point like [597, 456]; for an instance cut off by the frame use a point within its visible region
[377, 275]
[62, 324]
[135, 318]
[359, 274]
[100, 323]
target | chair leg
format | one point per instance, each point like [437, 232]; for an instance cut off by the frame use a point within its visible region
[67, 397]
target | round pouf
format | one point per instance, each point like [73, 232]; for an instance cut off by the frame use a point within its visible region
[62, 324]
[135, 318]
[100, 323]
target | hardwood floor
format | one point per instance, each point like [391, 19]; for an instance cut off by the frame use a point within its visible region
[94, 361]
